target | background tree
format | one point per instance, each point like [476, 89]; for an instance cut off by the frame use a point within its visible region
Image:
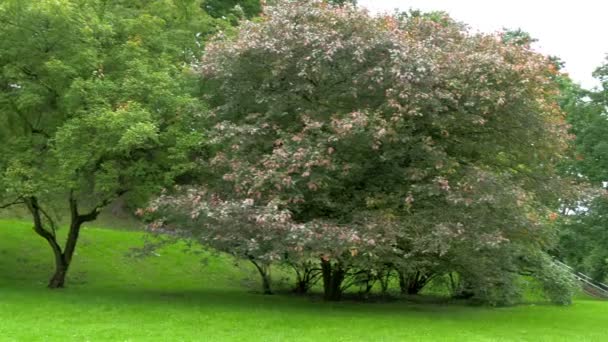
[233, 10]
[583, 242]
[342, 2]
[96, 101]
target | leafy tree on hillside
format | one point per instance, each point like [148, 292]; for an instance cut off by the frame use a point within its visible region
[96, 101]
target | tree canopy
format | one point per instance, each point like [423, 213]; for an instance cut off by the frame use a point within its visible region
[381, 143]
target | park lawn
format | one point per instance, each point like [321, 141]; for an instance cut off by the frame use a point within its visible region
[175, 297]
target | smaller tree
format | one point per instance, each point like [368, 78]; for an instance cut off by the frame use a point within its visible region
[97, 102]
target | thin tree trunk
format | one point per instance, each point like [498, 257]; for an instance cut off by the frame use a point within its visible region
[402, 282]
[265, 275]
[414, 285]
[333, 276]
[61, 266]
[302, 283]
[63, 263]
[369, 283]
[266, 289]
[384, 281]
[63, 258]
[58, 279]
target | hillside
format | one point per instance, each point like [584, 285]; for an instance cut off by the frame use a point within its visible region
[174, 296]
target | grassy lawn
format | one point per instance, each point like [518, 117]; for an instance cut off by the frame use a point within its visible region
[176, 297]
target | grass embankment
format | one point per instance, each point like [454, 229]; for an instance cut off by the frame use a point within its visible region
[175, 297]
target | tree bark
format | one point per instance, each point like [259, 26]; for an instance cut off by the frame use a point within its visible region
[64, 260]
[402, 283]
[265, 275]
[58, 279]
[385, 280]
[333, 276]
[266, 288]
[63, 257]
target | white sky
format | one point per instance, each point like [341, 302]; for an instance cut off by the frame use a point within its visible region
[576, 31]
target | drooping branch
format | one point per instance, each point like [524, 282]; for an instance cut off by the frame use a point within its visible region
[17, 201]
[91, 215]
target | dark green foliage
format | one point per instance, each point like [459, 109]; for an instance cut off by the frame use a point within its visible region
[584, 233]
[342, 2]
[589, 124]
[517, 37]
[232, 9]
[584, 240]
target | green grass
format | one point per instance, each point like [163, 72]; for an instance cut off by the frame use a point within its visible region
[175, 297]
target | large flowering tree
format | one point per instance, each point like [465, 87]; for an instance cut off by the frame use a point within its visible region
[393, 139]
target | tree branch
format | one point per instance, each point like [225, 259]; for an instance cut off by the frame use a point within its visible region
[17, 201]
[36, 210]
[50, 221]
[92, 215]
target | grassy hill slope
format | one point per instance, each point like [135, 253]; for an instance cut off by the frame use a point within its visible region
[176, 297]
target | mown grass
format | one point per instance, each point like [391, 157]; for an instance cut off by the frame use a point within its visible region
[176, 297]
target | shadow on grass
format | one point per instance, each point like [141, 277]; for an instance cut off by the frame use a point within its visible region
[218, 300]
[86, 291]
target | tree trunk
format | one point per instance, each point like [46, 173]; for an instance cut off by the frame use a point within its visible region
[415, 286]
[412, 283]
[402, 282]
[301, 283]
[384, 281]
[368, 283]
[264, 271]
[300, 287]
[63, 261]
[267, 290]
[333, 276]
[58, 279]
[63, 258]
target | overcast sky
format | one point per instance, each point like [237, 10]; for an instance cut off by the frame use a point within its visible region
[576, 31]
